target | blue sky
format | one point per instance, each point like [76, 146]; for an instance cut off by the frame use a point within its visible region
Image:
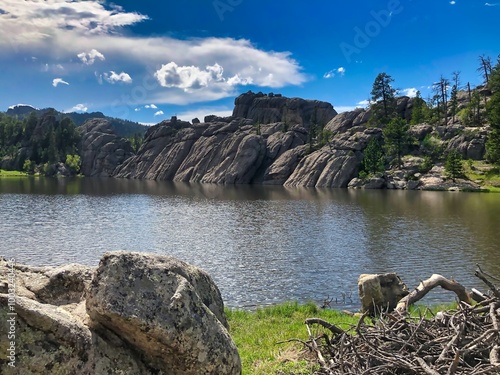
[148, 60]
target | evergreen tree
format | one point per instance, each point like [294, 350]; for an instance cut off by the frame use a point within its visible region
[396, 138]
[373, 157]
[493, 111]
[454, 95]
[383, 97]
[418, 112]
[453, 165]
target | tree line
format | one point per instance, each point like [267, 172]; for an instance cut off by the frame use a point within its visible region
[441, 107]
[38, 141]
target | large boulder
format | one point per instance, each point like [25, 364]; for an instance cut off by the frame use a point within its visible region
[134, 314]
[170, 312]
[380, 292]
[101, 149]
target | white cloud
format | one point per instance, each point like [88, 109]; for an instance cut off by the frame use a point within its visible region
[364, 103]
[59, 30]
[150, 106]
[21, 105]
[78, 108]
[114, 77]
[200, 113]
[137, 109]
[237, 80]
[90, 57]
[344, 108]
[188, 78]
[159, 113]
[329, 74]
[57, 81]
[491, 5]
[453, 2]
[332, 73]
[33, 20]
[411, 92]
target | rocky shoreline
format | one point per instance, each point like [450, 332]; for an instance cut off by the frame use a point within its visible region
[274, 140]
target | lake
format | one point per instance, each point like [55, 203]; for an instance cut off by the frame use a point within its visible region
[261, 244]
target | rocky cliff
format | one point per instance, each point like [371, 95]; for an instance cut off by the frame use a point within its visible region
[101, 149]
[271, 108]
[256, 150]
[134, 314]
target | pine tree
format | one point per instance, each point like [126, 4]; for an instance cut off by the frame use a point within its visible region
[454, 95]
[493, 111]
[485, 67]
[383, 96]
[418, 112]
[396, 138]
[453, 165]
[373, 157]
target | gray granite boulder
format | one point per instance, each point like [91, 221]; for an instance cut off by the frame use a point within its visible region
[169, 311]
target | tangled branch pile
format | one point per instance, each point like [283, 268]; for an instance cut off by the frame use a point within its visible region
[465, 341]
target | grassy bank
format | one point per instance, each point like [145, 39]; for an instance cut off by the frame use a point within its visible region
[486, 175]
[4, 173]
[256, 334]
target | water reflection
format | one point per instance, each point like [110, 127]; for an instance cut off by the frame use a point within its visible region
[262, 245]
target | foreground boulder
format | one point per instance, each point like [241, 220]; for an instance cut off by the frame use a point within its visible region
[134, 314]
[170, 312]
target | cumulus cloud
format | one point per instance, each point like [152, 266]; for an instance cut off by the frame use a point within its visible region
[37, 19]
[453, 2]
[150, 106]
[491, 5]
[411, 92]
[78, 108]
[364, 103]
[205, 69]
[113, 77]
[89, 58]
[159, 113]
[188, 78]
[332, 73]
[57, 81]
[237, 80]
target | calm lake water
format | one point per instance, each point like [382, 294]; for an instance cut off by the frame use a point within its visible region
[262, 245]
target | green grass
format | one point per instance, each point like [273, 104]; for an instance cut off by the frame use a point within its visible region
[4, 173]
[256, 334]
[486, 175]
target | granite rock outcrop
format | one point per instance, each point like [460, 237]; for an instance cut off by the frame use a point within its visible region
[135, 313]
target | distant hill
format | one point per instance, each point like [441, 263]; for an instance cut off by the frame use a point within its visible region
[123, 128]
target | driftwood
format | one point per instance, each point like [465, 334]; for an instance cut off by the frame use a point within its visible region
[427, 285]
[455, 342]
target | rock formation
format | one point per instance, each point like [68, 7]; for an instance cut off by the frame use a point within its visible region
[267, 109]
[101, 149]
[135, 314]
[269, 140]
